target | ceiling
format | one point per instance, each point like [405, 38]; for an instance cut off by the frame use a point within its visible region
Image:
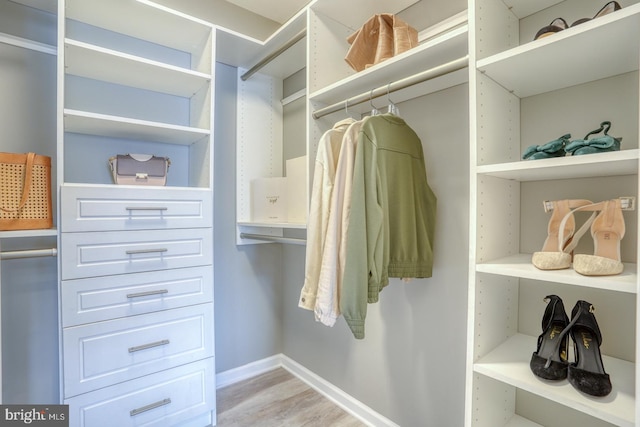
[279, 10]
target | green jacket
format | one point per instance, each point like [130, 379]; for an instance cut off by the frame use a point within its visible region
[392, 218]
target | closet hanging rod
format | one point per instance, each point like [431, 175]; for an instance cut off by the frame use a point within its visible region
[31, 253]
[273, 55]
[275, 239]
[423, 76]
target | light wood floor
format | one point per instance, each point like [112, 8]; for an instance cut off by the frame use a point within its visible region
[278, 399]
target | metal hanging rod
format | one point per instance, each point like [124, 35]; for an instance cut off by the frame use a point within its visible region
[275, 239]
[31, 253]
[273, 55]
[420, 77]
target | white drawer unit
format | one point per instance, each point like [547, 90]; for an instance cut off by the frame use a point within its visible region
[90, 208]
[135, 261]
[182, 396]
[105, 353]
[109, 297]
[113, 252]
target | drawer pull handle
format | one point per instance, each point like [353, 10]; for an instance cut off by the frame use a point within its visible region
[148, 346]
[146, 251]
[149, 407]
[145, 208]
[148, 293]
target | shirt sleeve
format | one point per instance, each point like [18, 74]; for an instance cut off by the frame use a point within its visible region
[363, 263]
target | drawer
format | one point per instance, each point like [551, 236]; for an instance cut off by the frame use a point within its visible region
[111, 208]
[116, 252]
[109, 297]
[105, 353]
[169, 398]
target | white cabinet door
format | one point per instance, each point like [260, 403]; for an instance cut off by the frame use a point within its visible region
[105, 353]
[111, 297]
[168, 398]
[91, 208]
[114, 252]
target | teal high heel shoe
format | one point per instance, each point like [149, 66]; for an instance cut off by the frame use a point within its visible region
[553, 148]
[601, 144]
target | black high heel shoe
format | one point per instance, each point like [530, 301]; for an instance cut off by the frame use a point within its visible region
[555, 26]
[608, 8]
[587, 373]
[549, 361]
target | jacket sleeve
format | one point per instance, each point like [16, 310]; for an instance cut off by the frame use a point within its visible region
[315, 240]
[364, 234]
[327, 308]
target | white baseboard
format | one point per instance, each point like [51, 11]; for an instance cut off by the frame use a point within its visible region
[249, 370]
[345, 401]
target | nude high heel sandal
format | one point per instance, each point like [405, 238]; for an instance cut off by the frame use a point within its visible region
[607, 231]
[560, 241]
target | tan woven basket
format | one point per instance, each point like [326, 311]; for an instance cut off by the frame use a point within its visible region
[25, 190]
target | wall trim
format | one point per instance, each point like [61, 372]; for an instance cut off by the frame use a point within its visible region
[247, 371]
[345, 401]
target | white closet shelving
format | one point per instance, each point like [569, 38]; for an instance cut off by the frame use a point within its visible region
[135, 77]
[526, 92]
[330, 80]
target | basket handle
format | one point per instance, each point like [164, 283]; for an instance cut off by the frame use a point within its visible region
[27, 183]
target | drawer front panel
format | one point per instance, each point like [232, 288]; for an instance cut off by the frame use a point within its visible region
[124, 208]
[169, 398]
[110, 297]
[105, 353]
[108, 253]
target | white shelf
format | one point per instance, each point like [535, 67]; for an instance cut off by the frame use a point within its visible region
[17, 234]
[289, 225]
[244, 52]
[520, 266]
[94, 62]
[518, 421]
[354, 13]
[615, 163]
[523, 8]
[27, 44]
[174, 29]
[604, 47]
[509, 363]
[445, 48]
[126, 128]
[46, 5]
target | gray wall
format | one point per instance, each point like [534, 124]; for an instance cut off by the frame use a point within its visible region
[29, 286]
[248, 279]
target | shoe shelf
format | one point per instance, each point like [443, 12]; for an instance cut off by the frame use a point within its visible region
[518, 421]
[509, 363]
[520, 266]
[528, 92]
[616, 163]
[596, 52]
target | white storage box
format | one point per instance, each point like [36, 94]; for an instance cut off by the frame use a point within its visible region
[297, 190]
[269, 200]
